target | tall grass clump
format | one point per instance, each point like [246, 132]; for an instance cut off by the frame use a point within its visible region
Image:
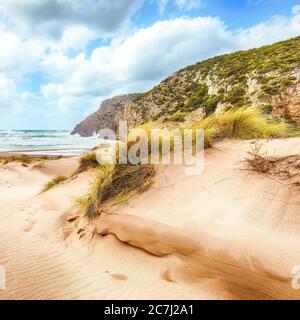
[250, 123]
[24, 159]
[52, 183]
[87, 161]
[117, 182]
[243, 123]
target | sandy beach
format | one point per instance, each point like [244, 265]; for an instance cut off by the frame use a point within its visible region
[228, 233]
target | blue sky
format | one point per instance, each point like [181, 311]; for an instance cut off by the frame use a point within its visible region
[60, 58]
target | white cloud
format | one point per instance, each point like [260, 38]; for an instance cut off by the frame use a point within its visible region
[276, 29]
[296, 9]
[76, 37]
[184, 5]
[50, 18]
[74, 85]
[152, 53]
[187, 5]
[8, 93]
[18, 56]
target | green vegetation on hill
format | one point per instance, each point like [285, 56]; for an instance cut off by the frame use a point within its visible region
[261, 76]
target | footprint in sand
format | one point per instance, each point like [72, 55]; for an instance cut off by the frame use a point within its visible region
[167, 274]
[119, 276]
[29, 224]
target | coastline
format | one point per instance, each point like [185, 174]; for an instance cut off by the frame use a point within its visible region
[45, 143]
[34, 153]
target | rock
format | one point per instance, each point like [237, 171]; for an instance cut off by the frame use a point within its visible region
[104, 118]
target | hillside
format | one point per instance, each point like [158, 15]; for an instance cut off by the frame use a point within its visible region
[104, 117]
[268, 77]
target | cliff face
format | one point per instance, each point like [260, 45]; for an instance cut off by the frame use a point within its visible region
[267, 77]
[104, 118]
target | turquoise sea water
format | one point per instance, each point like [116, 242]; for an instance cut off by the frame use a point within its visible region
[46, 142]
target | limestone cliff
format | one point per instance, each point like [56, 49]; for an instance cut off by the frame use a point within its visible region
[104, 118]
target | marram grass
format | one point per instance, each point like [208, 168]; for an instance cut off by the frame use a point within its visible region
[87, 161]
[24, 159]
[53, 182]
[243, 123]
[117, 182]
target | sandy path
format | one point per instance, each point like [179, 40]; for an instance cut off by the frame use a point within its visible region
[227, 234]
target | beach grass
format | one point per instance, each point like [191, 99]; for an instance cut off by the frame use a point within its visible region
[120, 181]
[239, 123]
[87, 161]
[244, 124]
[24, 159]
[53, 182]
[117, 182]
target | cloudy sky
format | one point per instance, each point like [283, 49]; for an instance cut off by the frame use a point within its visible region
[60, 58]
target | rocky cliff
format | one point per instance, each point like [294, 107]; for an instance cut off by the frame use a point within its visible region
[267, 77]
[104, 118]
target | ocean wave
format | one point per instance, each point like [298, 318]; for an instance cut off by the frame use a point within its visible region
[31, 140]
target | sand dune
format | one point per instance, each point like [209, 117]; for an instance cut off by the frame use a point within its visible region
[226, 234]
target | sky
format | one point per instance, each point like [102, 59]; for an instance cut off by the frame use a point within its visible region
[60, 58]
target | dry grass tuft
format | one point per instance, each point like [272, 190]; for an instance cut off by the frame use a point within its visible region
[257, 161]
[117, 182]
[25, 159]
[87, 161]
[242, 123]
[284, 168]
[18, 158]
[52, 183]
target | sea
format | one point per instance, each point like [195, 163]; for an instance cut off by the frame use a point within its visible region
[46, 142]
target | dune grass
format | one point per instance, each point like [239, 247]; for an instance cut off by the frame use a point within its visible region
[239, 123]
[16, 158]
[25, 159]
[243, 123]
[53, 182]
[117, 182]
[87, 161]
